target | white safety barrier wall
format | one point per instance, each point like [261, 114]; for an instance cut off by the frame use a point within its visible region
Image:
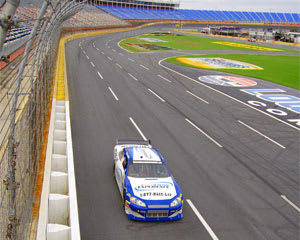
[58, 218]
[58, 213]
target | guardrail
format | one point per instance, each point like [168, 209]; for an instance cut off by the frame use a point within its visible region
[58, 209]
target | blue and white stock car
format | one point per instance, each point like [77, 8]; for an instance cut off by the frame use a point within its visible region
[148, 190]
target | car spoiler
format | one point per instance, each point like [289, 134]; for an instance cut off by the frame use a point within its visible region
[132, 142]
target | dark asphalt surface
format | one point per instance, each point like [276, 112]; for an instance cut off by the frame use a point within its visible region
[236, 186]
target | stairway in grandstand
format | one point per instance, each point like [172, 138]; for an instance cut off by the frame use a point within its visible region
[132, 13]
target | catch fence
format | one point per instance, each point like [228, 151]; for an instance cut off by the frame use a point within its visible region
[26, 86]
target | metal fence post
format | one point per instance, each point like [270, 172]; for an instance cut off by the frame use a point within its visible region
[6, 20]
[12, 185]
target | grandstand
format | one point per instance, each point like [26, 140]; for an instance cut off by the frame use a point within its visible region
[158, 10]
[149, 4]
[119, 12]
[91, 16]
[27, 12]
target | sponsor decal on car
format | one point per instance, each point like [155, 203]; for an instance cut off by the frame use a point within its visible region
[228, 81]
[247, 46]
[153, 190]
[153, 186]
[218, 63]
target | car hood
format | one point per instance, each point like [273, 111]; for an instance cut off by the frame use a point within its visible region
[153, 189]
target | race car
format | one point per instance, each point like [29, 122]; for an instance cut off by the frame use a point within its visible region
[148, 190]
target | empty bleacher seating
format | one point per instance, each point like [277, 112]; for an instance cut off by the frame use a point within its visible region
[91, 17]
[201, 15]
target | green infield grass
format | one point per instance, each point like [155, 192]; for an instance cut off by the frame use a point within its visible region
[185, 42]
[284, 70]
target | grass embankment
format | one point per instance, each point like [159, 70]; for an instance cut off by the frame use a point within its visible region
[283, 70]
[184, 42]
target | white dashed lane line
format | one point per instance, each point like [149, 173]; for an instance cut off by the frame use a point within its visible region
[113, 50]
[87, 57]
[164, 78]
[132, 76]
[254, 130]
[102, 53]
[99, 74]
[289, 202]
[92, 64]
[160, 98]
[112, 92]
[119, 65]
[202, 220]
[144, 67]
[204, 133]
[121, 54]
[201, 99]
[109, 58]
[138, 129]
[84, 52]
[131, 60]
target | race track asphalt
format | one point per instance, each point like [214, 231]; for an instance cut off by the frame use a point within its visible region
[242, 183]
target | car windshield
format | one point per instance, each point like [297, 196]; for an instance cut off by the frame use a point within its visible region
[147, 170]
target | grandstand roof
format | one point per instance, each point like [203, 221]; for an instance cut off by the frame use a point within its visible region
[161, 1]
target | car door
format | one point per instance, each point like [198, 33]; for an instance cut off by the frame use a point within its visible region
[119, 169]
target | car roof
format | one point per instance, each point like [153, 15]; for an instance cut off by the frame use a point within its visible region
[143, 155]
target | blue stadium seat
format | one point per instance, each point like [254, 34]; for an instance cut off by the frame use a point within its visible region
[221, 16]
[241, 16]
[255, 17]
[201, 15]
[289, 17]
[248, 17]
[296, 17]
[228, 15]
[261, 17]
[268, 17]
[282, 17]
[275, 17]
[236, 17]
